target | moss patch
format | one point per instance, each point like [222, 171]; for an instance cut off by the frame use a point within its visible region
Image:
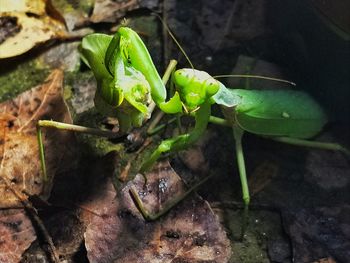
[20, 77]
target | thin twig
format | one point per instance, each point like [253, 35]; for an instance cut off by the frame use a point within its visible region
[37, 222]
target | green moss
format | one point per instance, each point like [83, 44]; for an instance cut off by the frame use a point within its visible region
[94, 145]
[263, 226]
[99, 146]
[20, 77]
[70, 78]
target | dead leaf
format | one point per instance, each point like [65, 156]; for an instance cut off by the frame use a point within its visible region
[195, 160]
[116, 231]
[111, 11]
[67, 232]
[16, 234]
[32, 23]
[35, 7]
[328, 171]
[319, 232]
[262, 176]
[19, 148]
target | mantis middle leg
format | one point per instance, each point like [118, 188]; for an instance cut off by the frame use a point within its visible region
[313, 144]
[178, 143]
[182, 141]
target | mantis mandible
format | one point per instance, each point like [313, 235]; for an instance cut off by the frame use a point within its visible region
[128, 83]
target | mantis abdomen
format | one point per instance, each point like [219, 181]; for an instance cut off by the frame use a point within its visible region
[286, 113]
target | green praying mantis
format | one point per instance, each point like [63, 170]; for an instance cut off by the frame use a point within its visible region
[128, 86]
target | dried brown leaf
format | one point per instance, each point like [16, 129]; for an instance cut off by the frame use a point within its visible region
[262, 176]
[116, 231]
[34, 25]
[18, 143]
[319, 232]
[111, 11]
[16, 234]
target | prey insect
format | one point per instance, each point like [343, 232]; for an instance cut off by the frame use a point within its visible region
[128, 87]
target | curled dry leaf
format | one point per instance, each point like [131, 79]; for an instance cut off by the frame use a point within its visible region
[19, 154]
[111, 11]
[116, 231]
[27, 23]
[16, 234]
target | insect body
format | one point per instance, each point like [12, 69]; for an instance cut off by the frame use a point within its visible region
[285, 115]
[277, 113]
[127, 80]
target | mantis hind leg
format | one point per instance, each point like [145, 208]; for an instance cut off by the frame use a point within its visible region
[313, 144]
[238, 133]
[68, 127]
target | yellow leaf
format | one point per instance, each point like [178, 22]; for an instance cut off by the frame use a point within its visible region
[33, 25]
[35, 7]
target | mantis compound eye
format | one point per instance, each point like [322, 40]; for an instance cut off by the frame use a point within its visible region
[212, 87]
[182, 77]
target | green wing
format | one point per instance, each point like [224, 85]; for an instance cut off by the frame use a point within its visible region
[279, 113]
[225, 97]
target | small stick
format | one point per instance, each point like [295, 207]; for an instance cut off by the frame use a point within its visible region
[37, 222]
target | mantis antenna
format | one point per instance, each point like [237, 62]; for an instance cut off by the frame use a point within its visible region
[255, 77]
[219, 76]
[175, 40]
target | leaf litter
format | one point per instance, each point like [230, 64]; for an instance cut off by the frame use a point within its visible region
[261, 188]
[16, 234]
[117, 232]
[20, 171]
[20, 162]
[190, 232]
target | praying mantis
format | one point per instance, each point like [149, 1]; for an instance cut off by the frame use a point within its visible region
[128, 87]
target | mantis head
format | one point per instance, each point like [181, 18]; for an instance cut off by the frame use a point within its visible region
[195, 87]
